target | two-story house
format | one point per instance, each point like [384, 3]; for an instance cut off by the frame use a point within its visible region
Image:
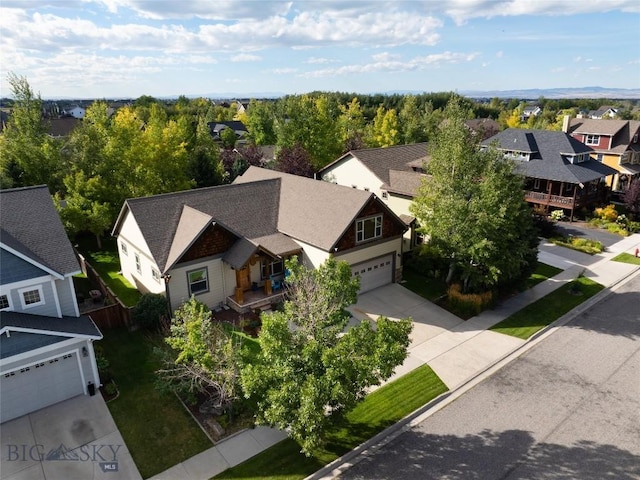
[227, 245]
[46, 346]
[558, 169]
[614, 143]
[394, 174]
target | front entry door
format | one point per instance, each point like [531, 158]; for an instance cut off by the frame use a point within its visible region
[243, 278]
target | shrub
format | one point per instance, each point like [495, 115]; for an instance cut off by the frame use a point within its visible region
[430, 261]
[546, 228]
[617, 228]
[468, 304]
[149, 310]
[607, 213]
[633, 227]
[557, 215]
[586, 245]
[110, 388]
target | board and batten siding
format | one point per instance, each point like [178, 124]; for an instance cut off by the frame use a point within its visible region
[352, 172]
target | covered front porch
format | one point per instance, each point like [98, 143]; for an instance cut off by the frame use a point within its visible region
[563, 195]
[259, 271]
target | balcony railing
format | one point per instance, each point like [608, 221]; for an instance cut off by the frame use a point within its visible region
[561, 201]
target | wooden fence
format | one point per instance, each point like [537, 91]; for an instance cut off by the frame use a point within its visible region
[114, 313]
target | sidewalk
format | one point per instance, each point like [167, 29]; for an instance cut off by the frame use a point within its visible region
[456, 350]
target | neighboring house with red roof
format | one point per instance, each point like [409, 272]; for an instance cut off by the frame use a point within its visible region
[394, 174]
[227, 244]
[558, 169]
[615, 143]
[46, 346]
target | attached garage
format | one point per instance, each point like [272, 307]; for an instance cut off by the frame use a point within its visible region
[39, 385]
[374, 273]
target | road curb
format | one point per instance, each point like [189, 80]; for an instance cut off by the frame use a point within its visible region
[370, 446]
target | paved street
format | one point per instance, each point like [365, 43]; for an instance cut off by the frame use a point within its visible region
[568, 408]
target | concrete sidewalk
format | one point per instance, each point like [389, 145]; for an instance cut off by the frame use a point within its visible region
[457, 350]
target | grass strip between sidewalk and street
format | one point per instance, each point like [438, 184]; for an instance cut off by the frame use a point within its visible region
[379, 410]
[543, 312]
[627, 258]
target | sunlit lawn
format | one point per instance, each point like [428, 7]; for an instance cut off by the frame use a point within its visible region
[548, 309]
[379, 410]
[627, 258]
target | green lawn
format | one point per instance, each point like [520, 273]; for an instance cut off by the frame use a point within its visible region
[543, 312]
[427, 287]
[107, 264]
[379, 410]
[627, 258]
[156, 428]
[543, 272]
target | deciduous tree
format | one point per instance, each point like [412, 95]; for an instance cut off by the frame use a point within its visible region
[309, 370]
[473, 209]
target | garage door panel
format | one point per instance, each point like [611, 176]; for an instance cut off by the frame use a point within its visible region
[374, 273]
[37, 386]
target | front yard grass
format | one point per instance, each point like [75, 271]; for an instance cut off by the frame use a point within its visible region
[546, 310]
[627, 258]
[107, 263]
[156, 428]
[542, 272]
[379, 410]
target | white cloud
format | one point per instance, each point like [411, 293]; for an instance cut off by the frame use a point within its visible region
[463, 10]
[283, 71]
[417, 63]
[245, 57]
[385, 57]
[319, 60]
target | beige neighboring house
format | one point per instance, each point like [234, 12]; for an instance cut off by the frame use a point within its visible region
[226, 245]
[394, 174]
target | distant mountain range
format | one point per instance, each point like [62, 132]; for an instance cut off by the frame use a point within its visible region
[525, 94]
[580, 92]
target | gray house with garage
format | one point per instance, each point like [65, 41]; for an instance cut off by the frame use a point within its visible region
[227, 245]
[46, 346]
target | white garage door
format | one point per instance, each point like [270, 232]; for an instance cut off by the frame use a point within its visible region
[39, 385]
[374, 273]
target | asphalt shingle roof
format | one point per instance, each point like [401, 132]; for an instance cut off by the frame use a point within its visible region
[64, 326]
[381, 160]
[622, 131]
[247, 210]
[31, 226]
[312, 211]
[548, 150]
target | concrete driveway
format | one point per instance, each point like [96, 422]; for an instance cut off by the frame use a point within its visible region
[72, 440]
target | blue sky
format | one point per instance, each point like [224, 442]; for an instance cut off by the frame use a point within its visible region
[127, 48]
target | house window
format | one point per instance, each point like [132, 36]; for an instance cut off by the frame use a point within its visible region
[568, 187]
[123, 247]
[138, 267]
[592, 139]
[155, 274]
[536, 184]
[276, 268]
[600, 157]
[385, 195]
[369, 228]
[198, 281]
[30, 297]
[4, 302]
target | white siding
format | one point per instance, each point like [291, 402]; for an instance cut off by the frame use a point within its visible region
[352, 171]
[393, 246]
[399, 205]
[312, 256]
[217, 275]
[131, 236]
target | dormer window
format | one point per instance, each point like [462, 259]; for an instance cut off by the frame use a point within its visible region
[368, 228]
[592, 140]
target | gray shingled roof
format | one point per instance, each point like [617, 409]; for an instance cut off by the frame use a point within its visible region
[31, 226]
[404, 183]
[81, 326]
[621, 130]
[381, 160]
[247, 210]
[312, 211]
[547, 149]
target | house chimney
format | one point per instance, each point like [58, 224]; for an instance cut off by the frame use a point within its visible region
[565, 123]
